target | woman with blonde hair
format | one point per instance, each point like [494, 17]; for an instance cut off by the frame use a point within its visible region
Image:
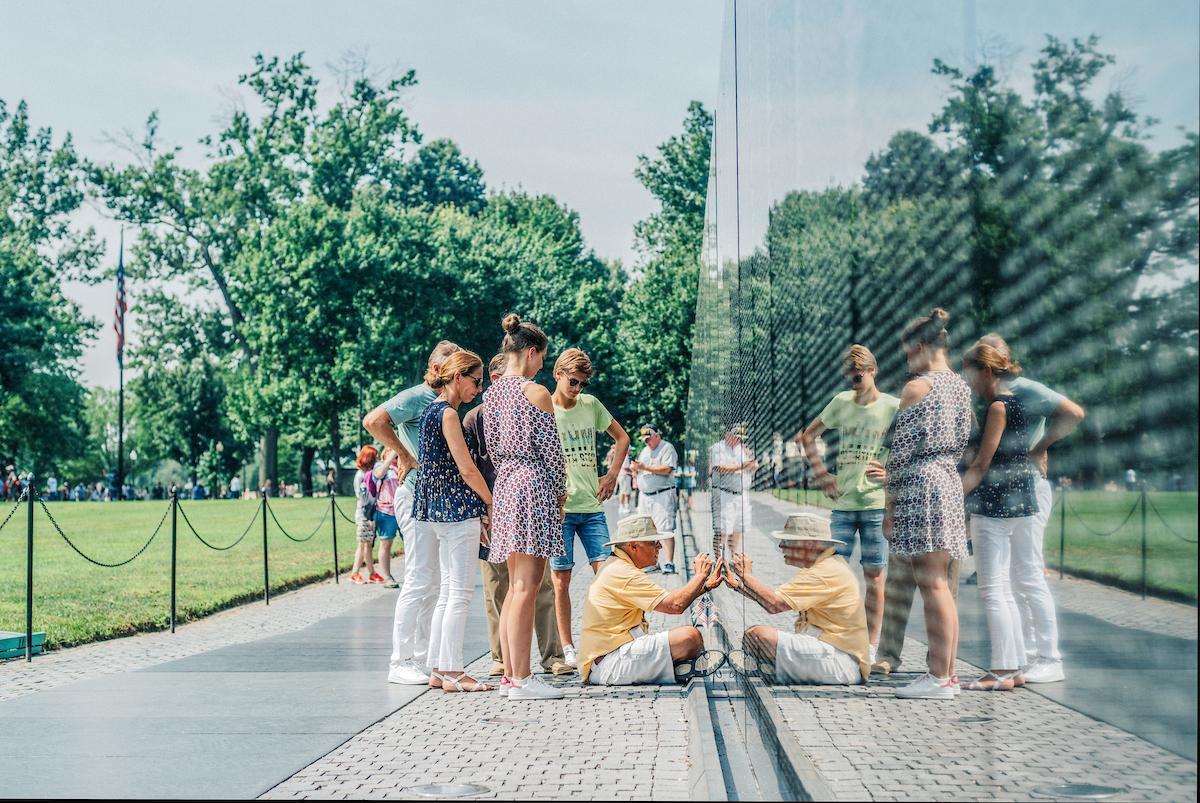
[450, 504]
[924, 516]
[999, 485]
[529, 492]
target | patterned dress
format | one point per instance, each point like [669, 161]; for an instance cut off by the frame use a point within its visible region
[922, 469]
[1007, 490]
[441, 494]
[530, 473]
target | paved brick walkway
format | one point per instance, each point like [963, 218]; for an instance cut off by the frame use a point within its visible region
[869, 745]
[287, 612]
[597, 743]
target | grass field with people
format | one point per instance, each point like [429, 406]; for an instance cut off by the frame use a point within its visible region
[76, 601]
[1115, 557]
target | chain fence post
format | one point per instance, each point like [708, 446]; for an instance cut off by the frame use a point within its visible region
[29, 568]
[1143, 539]
[266, 575]
[333, 518]
[174, 532]
[1062, 530]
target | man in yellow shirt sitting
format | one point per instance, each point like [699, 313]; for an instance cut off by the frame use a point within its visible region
[830, 644]
[615, 647]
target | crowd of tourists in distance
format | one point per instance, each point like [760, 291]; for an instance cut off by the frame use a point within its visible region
[510, 488]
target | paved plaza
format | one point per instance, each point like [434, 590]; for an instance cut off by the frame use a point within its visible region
[289, 701]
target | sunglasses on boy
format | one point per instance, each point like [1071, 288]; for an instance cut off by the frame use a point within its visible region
[577, 383]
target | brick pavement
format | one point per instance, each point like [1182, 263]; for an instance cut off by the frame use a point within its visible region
[869, 745]
[287, 612]
[597, 743]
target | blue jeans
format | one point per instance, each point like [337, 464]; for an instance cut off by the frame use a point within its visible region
[592, 529]
[868, 524]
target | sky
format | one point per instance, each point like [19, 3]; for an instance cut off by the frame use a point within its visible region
[561, 96]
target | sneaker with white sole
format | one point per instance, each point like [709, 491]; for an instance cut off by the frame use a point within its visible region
[534, 688]
[1045, 670]
[874, 652]
[928, 687]
[407, 674]
[571, 656]
[668, 568]
[505, 686]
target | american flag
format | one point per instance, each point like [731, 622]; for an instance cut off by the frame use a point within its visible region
[119, 323]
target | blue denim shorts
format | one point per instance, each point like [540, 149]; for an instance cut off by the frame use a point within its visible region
[868, 524]
[385, 526]
[592, 529]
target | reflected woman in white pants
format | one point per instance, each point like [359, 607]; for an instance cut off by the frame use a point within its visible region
[1000, 496]
[450, 504]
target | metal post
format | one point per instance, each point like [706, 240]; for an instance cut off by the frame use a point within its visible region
[174, 533]
[333, 517]
[266, 575]
[1062, 530]
[1143, 539]
[29, 569]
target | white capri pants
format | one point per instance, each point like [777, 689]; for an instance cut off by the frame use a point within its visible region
[804, 658]
[458, 554]
[646, 659]
[660, 507]
[1038, 618]
[735, 511]
[999, 545]
[419, 593]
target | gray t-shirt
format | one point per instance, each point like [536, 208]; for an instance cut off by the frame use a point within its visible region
[664, 455]
[405, 409]
[1039, 403]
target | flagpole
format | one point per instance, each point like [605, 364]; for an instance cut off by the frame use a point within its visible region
[121, 371]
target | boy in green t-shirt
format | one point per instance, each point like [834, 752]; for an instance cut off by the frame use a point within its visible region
[862, 417]
[580, 417]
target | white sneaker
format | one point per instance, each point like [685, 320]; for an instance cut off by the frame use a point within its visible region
[534, 688]
[571, 656]
[1045, 670]
[928, 687]
[874, 652]
[505, 686]
[407, 674]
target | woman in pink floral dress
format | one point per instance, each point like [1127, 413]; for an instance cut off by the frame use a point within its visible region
[530, 490]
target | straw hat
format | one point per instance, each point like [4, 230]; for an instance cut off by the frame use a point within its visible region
[805, 527]
[636, 530]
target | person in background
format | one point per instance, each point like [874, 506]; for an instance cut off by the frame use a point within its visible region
[235, 487]
[861, 417]
[625, 487]
[451, 503]
[925, 517]
[1051, 417]
[580, 417]
[383, 483]
[531, 490]
[52, 488]
[396, 425]
[198, 491]
[829, 644]
[495, 575]
[690, 478]
[654, 469]
[999, 486]
[364, 515]
[732, 465]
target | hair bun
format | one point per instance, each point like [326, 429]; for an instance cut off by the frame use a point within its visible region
[511, 323]
[939, 314]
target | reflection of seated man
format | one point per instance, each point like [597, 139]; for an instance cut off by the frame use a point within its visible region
[830, 643]
[615, 648]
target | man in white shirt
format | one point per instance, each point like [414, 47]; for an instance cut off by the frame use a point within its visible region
[235, 487]
[731, 468]
[655, 467]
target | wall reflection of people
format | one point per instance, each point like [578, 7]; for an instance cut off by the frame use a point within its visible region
[731, 467]
[655, 471]
[829, 644]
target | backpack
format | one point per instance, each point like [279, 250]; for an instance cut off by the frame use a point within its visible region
[368, 505]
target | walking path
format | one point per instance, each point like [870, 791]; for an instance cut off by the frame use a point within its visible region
[866, 744]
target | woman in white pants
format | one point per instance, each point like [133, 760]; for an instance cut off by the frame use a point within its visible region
[1000, 495]
[450, 504]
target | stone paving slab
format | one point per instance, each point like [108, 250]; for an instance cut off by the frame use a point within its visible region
[870, 745]
[596, 744]
[288, 612]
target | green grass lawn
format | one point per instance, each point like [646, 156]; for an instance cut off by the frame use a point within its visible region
[76, 602]
[1116, 558]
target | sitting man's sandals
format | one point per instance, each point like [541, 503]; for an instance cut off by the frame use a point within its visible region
[703, 665]
[747, 663]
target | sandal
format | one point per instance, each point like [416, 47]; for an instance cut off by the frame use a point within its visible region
[457, 686]
[746, 663]
[996, 684]
[703, 665]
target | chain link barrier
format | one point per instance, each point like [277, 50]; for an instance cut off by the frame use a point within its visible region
[1113, 531]
[80, 552]
[15, 508]
[291, 537]
[349, 519]
[1168, 527]
[202, 540]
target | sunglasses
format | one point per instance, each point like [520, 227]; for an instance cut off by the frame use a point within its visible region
[478, 380]
[577, 383]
